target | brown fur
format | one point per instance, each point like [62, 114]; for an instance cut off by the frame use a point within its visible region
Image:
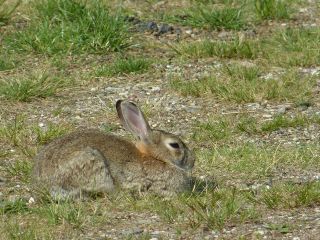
[93, 161]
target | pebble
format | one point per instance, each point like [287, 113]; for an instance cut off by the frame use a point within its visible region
[260, 232]
[164, 28]
[31, 200]
[152, 26]
[282, 110]
[133, 231]
[189, 32]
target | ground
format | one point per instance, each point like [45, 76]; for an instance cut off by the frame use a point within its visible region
[239, 81]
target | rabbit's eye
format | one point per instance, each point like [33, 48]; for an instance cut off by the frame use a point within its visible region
[174, 145]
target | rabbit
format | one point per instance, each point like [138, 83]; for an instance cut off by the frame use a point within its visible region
[91, 161]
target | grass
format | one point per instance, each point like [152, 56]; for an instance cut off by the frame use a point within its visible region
[272, 9]
[236, 48]
[57, 213]
[223, 129]
[63, 26]
[19, 170]
[289, 195]
[253, 165]
[216, 130]
[252, 161]
[243, 84]
[13, 130]
[6, 10]
[5, 64]
[285, 47]
[215, 19]
[282, 121]
[52, 131]
[30, 87]
[293, 47]
[124, 66]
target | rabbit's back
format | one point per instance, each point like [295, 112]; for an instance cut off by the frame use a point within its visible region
[57, 151]
[93, 161]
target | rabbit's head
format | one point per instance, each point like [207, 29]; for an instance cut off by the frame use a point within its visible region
[157, 144]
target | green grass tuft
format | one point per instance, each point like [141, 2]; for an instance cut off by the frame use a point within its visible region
[243, 84]
[13, 207]
[124, 66]
[236, 48]
[216, 19]
[288, 195]
[5, 64]
[282, 121]
[30, 87]
[213, 130]
[66, 211]
[64, 26]
[19, 170]
[272, 9]
[6, 10]
[251, 161]
[52, 131]
[293, 47]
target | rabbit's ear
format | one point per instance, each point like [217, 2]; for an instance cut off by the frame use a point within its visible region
[133, 119]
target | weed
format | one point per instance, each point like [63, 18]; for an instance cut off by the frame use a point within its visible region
[248, 125]
[51, 132]
[58, 213]
[30, 87]
[20, 169]
[64, 26]
[250, 161]
[5, 64]
[272, 9]
[290, 195]
[242, 84]
[6, 10]
[110, 127]
[293, 47]
[212, 131]
[218, 209]
[18, 231]
[217, 19]
[124, 66]
[282, 228]
[281, 121]
[236, 48]
[14, 207]
[212, 209]
[12, 131]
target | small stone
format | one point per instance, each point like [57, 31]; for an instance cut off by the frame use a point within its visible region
[260, 232]
[281, 110]
[164, 28]
[224, 34]
[152, 26]
[31, 200]
[189, 32]
[133, 231]
[41, 124]
[155, 89]
[178, 31]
